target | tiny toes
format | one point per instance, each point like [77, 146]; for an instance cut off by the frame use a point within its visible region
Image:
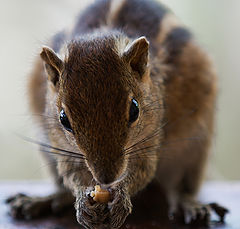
[203, 212]
[196, 213]
[12, 198]
[25, 207]
[220, 210]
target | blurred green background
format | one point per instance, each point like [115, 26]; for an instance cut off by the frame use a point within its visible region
[27, 24]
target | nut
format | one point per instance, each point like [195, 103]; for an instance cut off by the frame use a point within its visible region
[100, 195]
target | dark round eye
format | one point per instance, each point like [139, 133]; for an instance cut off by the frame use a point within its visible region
[64, 120]
[134, 111]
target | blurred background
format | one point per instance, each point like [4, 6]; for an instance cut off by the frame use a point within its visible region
[27, 24]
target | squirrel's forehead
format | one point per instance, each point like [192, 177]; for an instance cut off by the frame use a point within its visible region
[95, 87]
[96, 77]
[95, 72]
[93, 49]
[99, 55]
[102, 72]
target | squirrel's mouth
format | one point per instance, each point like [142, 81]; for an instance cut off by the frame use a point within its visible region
[108, 175]
[106, 178]
[114, 183]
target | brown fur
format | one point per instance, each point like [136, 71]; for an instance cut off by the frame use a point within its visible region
[173, 82]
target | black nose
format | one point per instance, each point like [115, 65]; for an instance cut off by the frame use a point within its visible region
[106, 178]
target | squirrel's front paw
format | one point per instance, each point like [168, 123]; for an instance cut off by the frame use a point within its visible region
[119, 208]
[91, 214]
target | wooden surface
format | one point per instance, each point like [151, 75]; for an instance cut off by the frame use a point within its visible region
[150, 214]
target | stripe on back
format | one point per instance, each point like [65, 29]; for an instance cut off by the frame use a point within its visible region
[176, 41]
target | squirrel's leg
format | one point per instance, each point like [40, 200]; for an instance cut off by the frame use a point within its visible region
[27, 207]
[193, 211]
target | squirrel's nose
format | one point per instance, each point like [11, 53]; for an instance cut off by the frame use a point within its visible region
[106, 171]
[106, 178]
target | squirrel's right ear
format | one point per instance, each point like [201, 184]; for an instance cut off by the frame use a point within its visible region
[53, 64]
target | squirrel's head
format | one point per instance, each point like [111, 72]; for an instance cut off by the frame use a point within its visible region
[101, 89]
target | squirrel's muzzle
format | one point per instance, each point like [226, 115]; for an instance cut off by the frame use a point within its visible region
[105, 177]
[107, 171]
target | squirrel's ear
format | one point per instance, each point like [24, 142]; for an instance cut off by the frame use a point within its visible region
[136, 54]
[53, 64]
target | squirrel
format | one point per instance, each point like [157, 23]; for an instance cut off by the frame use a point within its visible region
[124, 98]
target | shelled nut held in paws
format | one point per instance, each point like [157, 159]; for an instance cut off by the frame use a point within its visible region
[100, 195]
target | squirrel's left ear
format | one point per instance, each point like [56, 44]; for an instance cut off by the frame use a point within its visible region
[136, 54]
[53, 64]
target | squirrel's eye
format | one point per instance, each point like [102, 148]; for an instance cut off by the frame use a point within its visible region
[64, 120]
[134, 111]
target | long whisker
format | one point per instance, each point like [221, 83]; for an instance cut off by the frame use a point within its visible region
[145, 151]
[141, 149]
[58, 161]
[155, 133]
[71, 171]
[61, 154]
[152, 154]
[68, 152]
